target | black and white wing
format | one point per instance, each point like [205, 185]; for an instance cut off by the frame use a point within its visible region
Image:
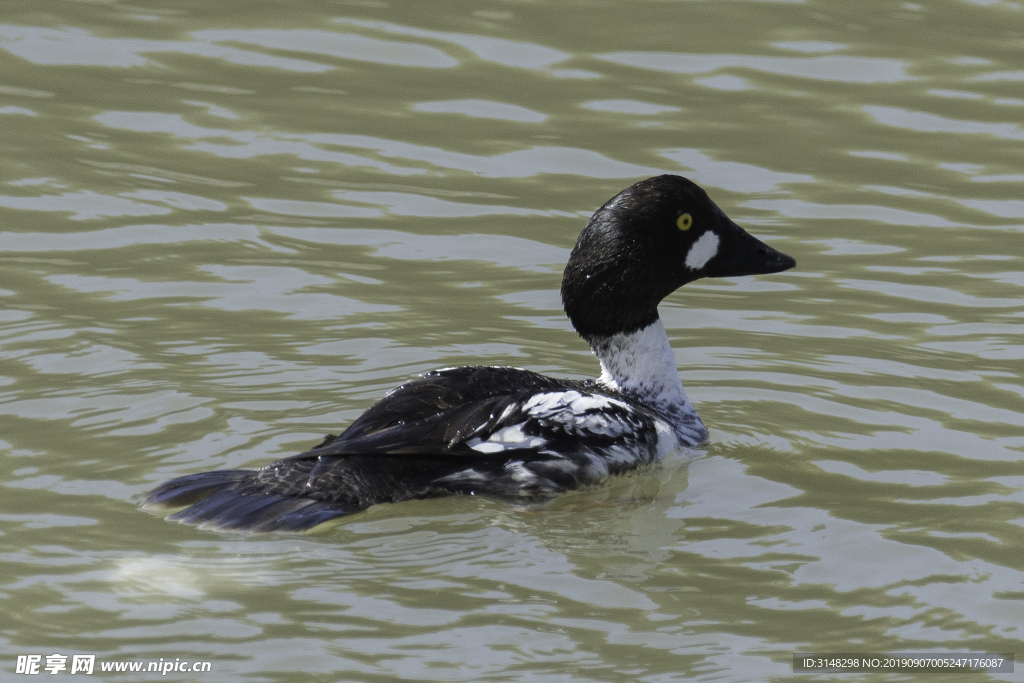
[477, 430]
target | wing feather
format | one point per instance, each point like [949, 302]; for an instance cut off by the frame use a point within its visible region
[437, 413]
[495, 431]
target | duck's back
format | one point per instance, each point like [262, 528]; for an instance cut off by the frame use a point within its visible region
[473, 430]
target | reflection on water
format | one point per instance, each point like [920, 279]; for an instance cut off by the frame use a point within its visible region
[224, 238]
[832, 69]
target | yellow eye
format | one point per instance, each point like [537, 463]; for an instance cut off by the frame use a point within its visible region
[684, 222]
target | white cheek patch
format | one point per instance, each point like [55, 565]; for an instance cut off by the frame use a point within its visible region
[702, 251]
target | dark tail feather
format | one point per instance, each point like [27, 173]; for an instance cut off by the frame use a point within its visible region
[225, 508]
[229, 500]
[193, 488]
[306, 517]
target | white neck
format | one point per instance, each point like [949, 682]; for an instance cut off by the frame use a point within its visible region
[642, 365]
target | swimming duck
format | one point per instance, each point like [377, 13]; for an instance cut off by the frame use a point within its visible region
[509, 432]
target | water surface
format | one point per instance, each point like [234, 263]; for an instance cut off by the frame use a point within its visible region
[227, 228]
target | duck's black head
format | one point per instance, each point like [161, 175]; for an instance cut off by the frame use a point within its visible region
[646, 242]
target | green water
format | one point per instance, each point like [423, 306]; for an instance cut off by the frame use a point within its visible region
[226, 228]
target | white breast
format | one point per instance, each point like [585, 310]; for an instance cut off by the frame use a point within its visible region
[642, 365]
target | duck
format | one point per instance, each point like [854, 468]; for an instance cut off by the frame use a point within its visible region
[512, 433]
